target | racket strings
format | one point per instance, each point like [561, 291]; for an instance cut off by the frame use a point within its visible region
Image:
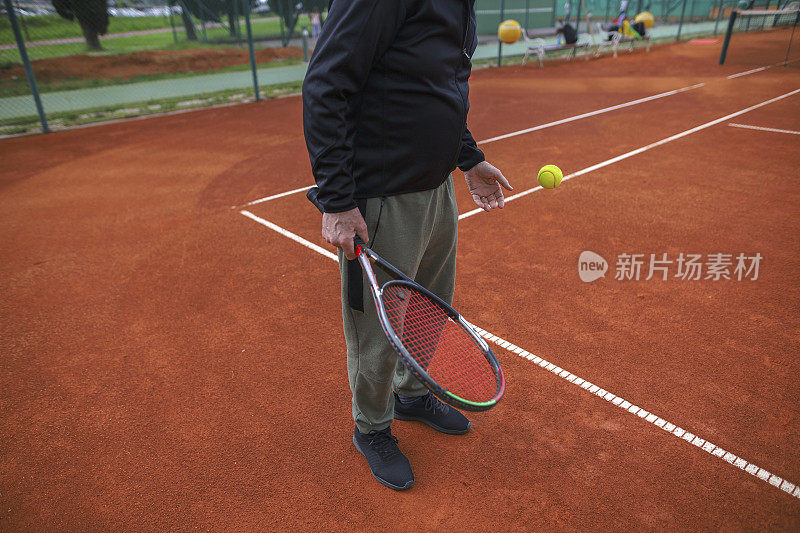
[441, 346]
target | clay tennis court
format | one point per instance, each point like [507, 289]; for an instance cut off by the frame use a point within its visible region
[173, 358]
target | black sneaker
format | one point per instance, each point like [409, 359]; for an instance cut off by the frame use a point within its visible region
[387, 462]
[430, 410]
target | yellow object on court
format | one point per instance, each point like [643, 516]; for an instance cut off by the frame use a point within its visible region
[550, 176]
[627, 30]
[509, 31]
[647, 18]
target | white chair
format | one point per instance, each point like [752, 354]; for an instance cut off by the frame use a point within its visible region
[617, 38]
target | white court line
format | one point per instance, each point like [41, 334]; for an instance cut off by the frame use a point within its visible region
[286, 233]
[274, 196]
[761, 128]
[785, 485]
[748, 72]
[593, 113]
[640, 150]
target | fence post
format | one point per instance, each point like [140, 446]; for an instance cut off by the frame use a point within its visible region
[680, 24]
[578, 17]
[22, 23]
[246, 9]
[305, 44]
[499, 42]
[527, 8]
[796, 20]
[727, 37]
[23, 54]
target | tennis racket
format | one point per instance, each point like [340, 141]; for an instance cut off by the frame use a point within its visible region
[440, 348]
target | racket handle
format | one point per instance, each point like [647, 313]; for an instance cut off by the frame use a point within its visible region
[358, 245]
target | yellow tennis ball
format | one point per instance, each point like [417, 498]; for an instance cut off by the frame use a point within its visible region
[647, 18]
[550, 176]
[509, 31]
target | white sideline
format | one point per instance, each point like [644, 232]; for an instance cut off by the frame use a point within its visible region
[274, 196]
[642, 149]
[286, 233]
[761, 128]
[593, 113]
[785, 485]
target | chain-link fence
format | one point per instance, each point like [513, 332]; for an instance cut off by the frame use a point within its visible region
[97, 60]
[596, 20]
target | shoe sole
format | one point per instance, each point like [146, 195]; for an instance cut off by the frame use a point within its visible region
[379, 480]
[440, 429]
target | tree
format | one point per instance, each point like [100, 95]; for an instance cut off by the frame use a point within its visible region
[92, 15]
[289, 12]
[211, 11]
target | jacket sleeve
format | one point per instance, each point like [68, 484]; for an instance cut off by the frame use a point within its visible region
[356, 34]
[470, 155]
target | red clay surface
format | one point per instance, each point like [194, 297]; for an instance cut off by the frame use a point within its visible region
[168, 363]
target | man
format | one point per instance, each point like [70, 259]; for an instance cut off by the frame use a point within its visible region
[385, 105]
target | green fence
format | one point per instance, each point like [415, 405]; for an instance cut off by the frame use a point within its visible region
[95, 62]
[529, 13]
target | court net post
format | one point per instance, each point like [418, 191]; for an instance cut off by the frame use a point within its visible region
[728, 32]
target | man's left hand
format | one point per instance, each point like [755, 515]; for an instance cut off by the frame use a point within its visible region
[484, 181]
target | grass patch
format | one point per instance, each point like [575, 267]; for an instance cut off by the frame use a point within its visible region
[263, 29]
[46, 27]
[59, 121]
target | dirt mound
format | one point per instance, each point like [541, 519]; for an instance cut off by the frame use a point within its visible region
[126, 66]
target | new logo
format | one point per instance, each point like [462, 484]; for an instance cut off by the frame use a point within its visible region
[591, 266]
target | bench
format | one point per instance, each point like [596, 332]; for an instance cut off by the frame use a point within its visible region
[617, 38]
[535, 44]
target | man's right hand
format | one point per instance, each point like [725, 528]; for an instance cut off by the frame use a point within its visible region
[340, 228]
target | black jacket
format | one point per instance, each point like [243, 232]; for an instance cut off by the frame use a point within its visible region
[385, 99]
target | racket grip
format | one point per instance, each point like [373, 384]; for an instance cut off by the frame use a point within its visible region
[312, 194]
